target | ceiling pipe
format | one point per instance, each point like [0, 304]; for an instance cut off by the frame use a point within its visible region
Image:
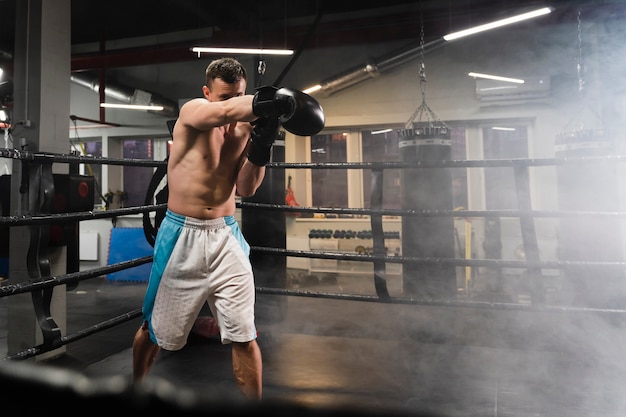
[375, 67]
[126, 94]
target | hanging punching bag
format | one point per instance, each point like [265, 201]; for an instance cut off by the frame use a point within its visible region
[590, 186]
[267, 228]
[427, 189]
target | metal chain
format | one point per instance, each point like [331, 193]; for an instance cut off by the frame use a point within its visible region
[423, 109]
[580, 66]
[260, 72]
[422, 39]
[587, 116]
[422, 69]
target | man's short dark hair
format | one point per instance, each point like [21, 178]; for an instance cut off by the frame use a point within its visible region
[228, 69]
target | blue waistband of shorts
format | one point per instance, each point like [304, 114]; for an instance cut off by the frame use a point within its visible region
[200, 223]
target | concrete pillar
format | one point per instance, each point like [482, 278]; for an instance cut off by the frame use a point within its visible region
[41, 98]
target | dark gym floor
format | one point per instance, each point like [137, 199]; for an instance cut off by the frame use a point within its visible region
[359, 355]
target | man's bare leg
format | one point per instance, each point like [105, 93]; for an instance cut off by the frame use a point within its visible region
[248, 369]
[145, 353]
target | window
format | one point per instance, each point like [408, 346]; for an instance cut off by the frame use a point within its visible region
[330, 186]
[382, 147]
[458, 152]
[137, 178]
[500, 188]
[91, 148]
[132, 181]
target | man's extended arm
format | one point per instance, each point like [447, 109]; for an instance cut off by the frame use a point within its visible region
[204, 115]
[259, 152]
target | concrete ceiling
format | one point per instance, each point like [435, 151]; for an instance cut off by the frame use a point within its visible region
[273, 23]
[139, 32]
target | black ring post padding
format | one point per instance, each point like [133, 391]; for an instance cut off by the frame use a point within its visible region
[150, 230]
[529, 235]
[51, 332]
[40, 197]
[24, 178]
[378, 237]
[42, 300]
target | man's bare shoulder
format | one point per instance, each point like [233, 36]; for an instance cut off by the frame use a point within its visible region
[200, 114]
[193, 104]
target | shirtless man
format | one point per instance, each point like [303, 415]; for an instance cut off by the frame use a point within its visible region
[221, 144]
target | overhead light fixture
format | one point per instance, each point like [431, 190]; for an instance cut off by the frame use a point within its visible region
[199, 50]
[131, 106]
[508, 129]
[497, 24]
[496, 77]
[378, 132]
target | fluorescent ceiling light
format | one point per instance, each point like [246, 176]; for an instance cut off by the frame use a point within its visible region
[378, 132]
[509, 129]
[497, 24]
[495, 77]
[199, 50]
[131, 106]
[502, 87]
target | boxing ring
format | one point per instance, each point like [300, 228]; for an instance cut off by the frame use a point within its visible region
[38, 182]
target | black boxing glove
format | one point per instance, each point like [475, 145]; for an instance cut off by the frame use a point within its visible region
[263, 104]
[299, 113]
[261, 140]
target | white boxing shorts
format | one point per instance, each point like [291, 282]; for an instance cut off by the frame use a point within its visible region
[197, 261]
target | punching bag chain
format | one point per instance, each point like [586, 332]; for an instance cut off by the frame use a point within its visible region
[423, 110]
[580, 65]
[587, 117]
[422, 69]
